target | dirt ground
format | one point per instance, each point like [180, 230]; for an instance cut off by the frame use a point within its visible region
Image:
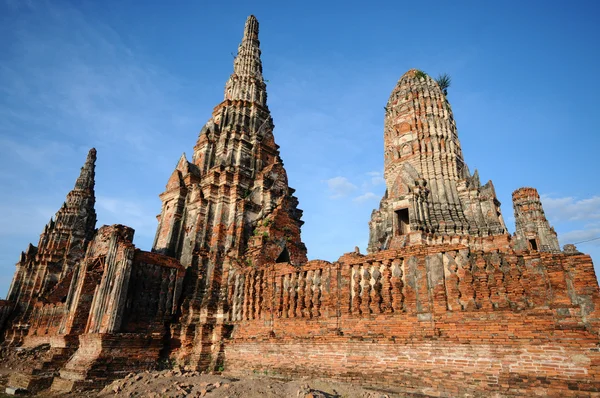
[192, 384]
[177, 383]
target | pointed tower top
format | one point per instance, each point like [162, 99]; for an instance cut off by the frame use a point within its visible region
[247, 83]
[86, 177]
[251, 29]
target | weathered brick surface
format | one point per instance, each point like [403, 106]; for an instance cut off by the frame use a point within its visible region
[454, 305]
[432, 320]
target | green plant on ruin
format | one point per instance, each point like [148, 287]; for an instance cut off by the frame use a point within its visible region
[267, 222]
[165, 363]
[420, 74]
[265, 234]
[444, 82]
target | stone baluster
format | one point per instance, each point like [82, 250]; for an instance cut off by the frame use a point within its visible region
[241, 297]
[231, 286]
[280, 291]
[482, 290]
[316, 311]
[247, 296]
[259, 294]
[356, 290]
[465, 283]
[308, 295]
[293, 295]
[286, 296]
[234, 296]
[375, 287]
[397, 285]
[365, 290]
[301, 292]
[451, 281]
[386, 286]
[515, 290]
[498, 294]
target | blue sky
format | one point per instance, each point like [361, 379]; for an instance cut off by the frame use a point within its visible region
[138, 79]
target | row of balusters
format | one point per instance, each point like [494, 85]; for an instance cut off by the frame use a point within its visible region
[376, 288]
[391, 286]
[297, 295]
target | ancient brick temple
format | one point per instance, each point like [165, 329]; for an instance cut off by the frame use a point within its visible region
[446, 303]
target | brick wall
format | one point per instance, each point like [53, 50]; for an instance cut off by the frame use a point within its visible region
[439, 320]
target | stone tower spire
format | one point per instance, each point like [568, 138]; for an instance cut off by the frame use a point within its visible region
[246, 82]
[430, 193]
[231, 206]
[62, 243]
[533, 231]
[85, 181]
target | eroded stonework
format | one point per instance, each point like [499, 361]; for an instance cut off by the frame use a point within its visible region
[231, 206]
[446, 303]
[430, 192]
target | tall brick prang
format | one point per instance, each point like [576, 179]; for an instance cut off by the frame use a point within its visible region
[231, 206]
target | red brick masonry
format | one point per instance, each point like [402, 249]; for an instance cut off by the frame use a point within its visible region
[436, 320]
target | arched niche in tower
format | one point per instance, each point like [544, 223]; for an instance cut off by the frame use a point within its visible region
[405, 179]
[402, 128]
[406, 150]
[284, 256]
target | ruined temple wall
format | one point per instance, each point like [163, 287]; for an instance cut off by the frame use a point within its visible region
[153, 293]
[45, 321]
[437, 367]
[427, 319]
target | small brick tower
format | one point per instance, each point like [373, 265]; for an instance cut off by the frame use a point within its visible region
[533, 231]
[62, 244]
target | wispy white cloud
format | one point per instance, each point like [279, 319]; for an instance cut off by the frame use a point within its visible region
[25, 219]
[40, 155]
[582, 235]
[571, 209]
[90, 86]
[128, 211]
[17, 4]
[368, 196]
[339, 187]
[69, 81]
[575, 219]
[376, 177]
